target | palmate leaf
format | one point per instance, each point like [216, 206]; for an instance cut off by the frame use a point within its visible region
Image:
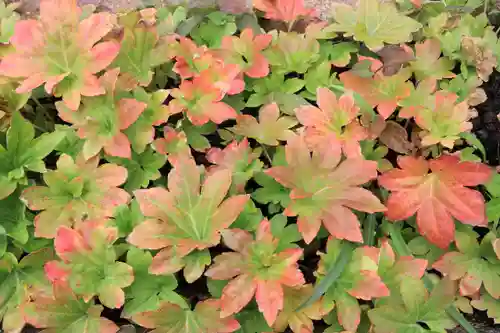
[257, 269]
[137, 43]
[269, 129]
[61, 51]
[77, 190]
[62, 312]
[141, 132]
[334, 123]
[247, 52]
[416, 306]
[300, 321]
[379, 90]
[102, 120]
[374, 23]
[411, 193]
[185, 217]
[324, 189]
[444, 120]
[283, 10]
[393, 270]
[474, 264]
[204, 318]
[141, 168]
[23, 153]
[240, 158]
[19, 283]
[429, 64]
[293, 52]
[148, 291]
[356, 278]
[490, 304]
[88, 263]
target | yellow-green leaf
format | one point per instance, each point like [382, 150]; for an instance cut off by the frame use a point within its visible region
[374, 23]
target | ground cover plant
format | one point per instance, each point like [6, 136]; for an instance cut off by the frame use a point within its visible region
[198, 171]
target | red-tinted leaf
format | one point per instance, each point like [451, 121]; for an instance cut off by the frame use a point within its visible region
[258, 270]
[283, 10]
[206, 317]
[333, 123]
[236, 294]
[322, 189]
[269, 297]
[436, 196]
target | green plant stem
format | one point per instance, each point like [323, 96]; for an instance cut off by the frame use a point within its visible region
[402, 249]
[369, 229]
[333, 274]
[266, 154]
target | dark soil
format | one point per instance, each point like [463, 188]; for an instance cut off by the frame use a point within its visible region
[487, 124]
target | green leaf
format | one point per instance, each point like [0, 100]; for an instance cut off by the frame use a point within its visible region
[206, 317]
[271, 191]
[252, 321]
[414, 294]
[127, 218]
[374, 23]
[402, 249]
[8, 286]
[493, 210]
[7, 186]
[3, 241]
[147, 291]
[250, 217]
[215, 287]
[136, 45]
[19, 135]
[142, 168]
[65, 314]
[332, 275]
[289, 102]
[474, 141]
[286, 234]
[42, 146]
[12, 211]
[493, 186]
[195, 263]
[249, 20]
[185, 27]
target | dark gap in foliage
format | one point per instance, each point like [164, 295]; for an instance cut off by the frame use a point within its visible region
[487, 125]
[193, 292]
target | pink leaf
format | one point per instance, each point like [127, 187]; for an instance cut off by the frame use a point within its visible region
[236, 239]
[236, 294]
[269, 297]
[111, 175]
[69, 243]
[102, 56]
[150, 234]
[167, 261]
[94, 28]
[341, 223]
[369, 286]
[129, 109]
[226, 266]
[119, 146]
[28, 36]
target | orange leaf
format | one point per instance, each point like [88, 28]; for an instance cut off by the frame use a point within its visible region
[436, 196]
[283, 10]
